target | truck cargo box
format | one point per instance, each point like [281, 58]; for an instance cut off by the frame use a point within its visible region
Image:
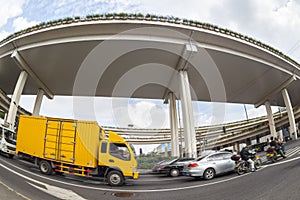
[67, 141]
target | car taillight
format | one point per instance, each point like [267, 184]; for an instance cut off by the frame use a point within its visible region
[161, 167]
[193, 165]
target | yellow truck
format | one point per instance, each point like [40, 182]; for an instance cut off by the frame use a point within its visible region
[75, 147]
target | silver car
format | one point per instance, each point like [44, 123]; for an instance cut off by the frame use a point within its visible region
[210, 164]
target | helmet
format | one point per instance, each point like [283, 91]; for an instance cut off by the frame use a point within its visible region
[244, 145]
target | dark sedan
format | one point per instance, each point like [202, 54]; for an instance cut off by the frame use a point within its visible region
[174, 167]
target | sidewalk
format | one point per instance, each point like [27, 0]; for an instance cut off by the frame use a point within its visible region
[144, 171]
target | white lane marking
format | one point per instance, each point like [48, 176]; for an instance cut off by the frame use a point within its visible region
[283, 162]
[293, 151]
[58, 192]
[52, 190]
[144, 191]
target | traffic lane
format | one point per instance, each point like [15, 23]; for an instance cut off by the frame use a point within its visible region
[21, 186]
[8, 193]
[92, 189]
[277, 182]
[144, 182]
[262, 184]
[88, 189]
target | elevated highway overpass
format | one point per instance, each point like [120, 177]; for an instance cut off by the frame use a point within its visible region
[5, 103]
[147, 57]
[209, 137]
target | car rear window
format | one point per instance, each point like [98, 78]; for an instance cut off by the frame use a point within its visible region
[200, 158]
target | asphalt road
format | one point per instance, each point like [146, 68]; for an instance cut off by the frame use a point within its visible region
[21, 180]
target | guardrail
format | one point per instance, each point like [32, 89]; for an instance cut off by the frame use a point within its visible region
[210, 136]
[5, 103]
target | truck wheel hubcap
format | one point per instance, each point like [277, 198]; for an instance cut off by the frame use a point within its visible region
[44, 168]
[115, 179]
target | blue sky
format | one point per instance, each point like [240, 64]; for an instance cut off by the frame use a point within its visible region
[273, 22]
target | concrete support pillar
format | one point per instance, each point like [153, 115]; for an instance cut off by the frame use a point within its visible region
[38, 102]
[280, 134]
[290, 113]
[187, 115]
[236, 147]
[15, 99]
[174, 125]
[166, 150]
[270, 119]
[257, 139]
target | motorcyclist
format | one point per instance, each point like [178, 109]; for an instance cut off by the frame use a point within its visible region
[245, 155]
[274, 143]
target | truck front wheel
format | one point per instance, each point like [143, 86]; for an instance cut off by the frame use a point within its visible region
[45, 167]
[115, 178]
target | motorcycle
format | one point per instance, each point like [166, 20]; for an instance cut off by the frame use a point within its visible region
[242, 166]
[273, 154]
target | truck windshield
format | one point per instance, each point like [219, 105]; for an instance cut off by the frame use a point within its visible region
[119, 150]
[8, 135]
[132, 149]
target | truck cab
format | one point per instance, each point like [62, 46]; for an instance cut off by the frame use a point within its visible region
[118, 159]
[7, 141]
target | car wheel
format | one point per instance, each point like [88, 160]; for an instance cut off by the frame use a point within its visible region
[209, 174]
[115, 178]
[174, 172]
[45, 167]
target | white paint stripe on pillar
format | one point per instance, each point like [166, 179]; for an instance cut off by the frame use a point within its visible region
[52, 190]
[38, 102]
[15, 100]
[290, 113]
[270, 119]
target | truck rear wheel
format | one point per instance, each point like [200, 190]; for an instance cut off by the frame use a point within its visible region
[45, 167]
[115, 178]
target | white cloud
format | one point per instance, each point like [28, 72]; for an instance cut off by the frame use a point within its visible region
[273, 22]
[3, 34]
[256, 112]
[116, 112]
[21, 23]
[10, 9]
[141, 114]
[145, 148]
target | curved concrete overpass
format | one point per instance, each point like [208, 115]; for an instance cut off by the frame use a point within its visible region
[146, 58]
[54, 54]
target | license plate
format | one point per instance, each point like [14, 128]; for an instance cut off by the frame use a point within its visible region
[185, 174]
